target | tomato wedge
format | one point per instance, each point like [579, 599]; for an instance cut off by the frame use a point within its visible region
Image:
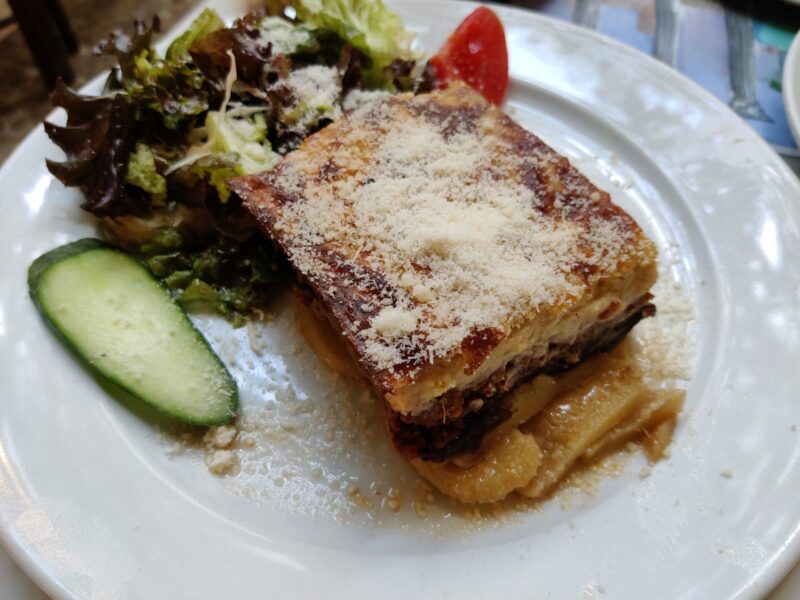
[475, 53]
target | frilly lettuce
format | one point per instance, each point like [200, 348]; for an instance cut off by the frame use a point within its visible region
[287, 37]
[97, 140]
[366, 24]
[171, 90]
[206, 22]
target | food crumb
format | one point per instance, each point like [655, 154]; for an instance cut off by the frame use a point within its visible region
[221, 436]
[424, 498]
[221, 462]
[726, 473]
[420, 509]
[355, 494]
[591, 589]
[473, 514]
[645, 472]
[393, 499]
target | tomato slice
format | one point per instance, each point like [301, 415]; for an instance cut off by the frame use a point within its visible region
[475, 53]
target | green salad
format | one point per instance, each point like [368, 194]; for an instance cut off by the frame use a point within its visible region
[153, 152]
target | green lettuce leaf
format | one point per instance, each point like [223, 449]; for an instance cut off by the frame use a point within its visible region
[229, 277]
[142, 171]
[199, 291]
[172, 90]
[287, 37]
[245, 136]
[213, 169]
[366, 24]
[206, 22]
[235, 144]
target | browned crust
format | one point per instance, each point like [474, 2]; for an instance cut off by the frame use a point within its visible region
[345, 285]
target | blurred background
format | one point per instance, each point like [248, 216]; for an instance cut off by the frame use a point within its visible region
[734, 48]
[23, 90]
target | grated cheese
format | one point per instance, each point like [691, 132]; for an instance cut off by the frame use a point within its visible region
[357, 98]
[393, 322]
[317, 90]
[284, 36]
[440, 209]
[221, 462]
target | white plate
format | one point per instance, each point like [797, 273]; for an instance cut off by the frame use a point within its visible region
[93, 505]
[791, 87]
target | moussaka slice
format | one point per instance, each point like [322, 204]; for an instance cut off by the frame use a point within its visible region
[456, 253]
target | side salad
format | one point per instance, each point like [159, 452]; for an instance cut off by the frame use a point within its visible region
[152, 153]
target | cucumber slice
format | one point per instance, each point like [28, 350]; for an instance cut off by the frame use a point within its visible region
[108, 307]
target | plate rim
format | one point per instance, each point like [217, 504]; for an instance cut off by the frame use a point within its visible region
[789, 85]
[782, 561]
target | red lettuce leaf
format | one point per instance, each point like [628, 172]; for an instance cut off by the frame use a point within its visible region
[98, 140]
[255, 62]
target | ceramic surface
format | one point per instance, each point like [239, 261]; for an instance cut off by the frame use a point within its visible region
[92, 504]
[791, 86]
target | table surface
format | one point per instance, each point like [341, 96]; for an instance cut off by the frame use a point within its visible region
[662, 28]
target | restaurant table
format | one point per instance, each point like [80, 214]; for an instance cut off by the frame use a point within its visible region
[739, 58]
